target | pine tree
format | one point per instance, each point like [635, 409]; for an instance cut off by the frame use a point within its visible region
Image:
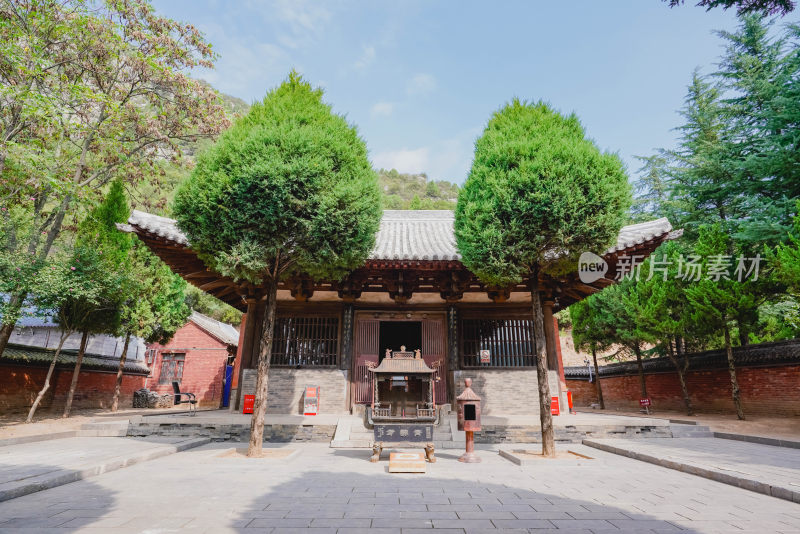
[538, 195]
[299, 195]
[716, 298]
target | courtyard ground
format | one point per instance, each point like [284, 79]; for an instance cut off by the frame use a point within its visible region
[207, 489]
[13, 425]
[784, 427]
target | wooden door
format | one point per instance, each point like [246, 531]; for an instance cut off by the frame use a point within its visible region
[365, 357]
[434, 352]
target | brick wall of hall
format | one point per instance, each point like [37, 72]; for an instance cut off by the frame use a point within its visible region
[506, 391]
[19, 386]
[765, 390]
[203, 369]
[286, 387]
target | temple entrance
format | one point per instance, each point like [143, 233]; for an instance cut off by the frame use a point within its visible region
[395, 334]
[377, 331]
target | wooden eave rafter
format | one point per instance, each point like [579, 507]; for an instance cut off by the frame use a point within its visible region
[420, 276]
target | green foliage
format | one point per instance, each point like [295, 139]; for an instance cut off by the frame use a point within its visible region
[80, 291]
[202, 302]
[288, 188]
[780, 7]
[154, 307]
[538, 190]
[715, 303]
[787, 258]
[91, 92]
[19, 268]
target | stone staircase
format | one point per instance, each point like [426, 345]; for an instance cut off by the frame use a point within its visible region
[680, 430]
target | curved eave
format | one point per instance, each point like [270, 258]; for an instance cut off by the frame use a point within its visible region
[162, 236]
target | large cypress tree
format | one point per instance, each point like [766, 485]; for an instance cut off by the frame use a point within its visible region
[538, 195]
[289, 188]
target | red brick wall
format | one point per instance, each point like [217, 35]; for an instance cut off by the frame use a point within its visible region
[204, 365]
[765, 390]
[19, 386]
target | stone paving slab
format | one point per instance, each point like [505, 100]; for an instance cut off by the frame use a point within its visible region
[340, 491]
[30, 467]
[761, 468]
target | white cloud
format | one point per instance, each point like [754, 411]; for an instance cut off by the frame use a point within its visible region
[382, 109]
[300, 22]
[366, 59]
[421, 84]
[447, 159]
[404, 160]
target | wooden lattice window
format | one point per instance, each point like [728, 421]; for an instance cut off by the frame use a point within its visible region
[509, 342]
[306, 342]
[171, 367]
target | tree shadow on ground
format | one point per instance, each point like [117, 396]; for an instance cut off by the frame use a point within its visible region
[66, 508]
[342, 500]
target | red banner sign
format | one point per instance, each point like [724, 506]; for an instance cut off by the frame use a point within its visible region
[644, 402]
[248, 403]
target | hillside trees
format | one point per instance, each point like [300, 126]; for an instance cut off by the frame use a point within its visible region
[538, 195]
[300, 194]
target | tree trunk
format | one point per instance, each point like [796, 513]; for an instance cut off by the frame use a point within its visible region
[737, 401]
[47, 378]
[14, 304]
[120, 368]
[264, 355]
[76, 373]
[681, 368]
[744, 336]
[545, 417]
[642, 382]
[5, 335]
[597, 385]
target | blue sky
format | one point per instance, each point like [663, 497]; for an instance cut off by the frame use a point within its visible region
[421, 78]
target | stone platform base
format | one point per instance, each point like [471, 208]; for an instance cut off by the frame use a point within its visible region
[222, 425]
[349, 431]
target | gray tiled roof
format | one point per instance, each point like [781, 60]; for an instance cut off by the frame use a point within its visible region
[407, 234]
[20, 355]
[222, 331]
[762, 354]
[416, 235]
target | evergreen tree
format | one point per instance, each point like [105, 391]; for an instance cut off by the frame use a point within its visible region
[719, 295]
[591, 331]
[98, 233]
[153, 307]
[538, 195]
[299, 195]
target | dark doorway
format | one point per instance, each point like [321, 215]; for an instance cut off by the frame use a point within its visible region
[394, 334]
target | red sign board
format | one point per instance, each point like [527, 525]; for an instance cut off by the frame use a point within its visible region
[554, 406]
[486, 356]
[311, 400]
[644, 402]
[248, 403]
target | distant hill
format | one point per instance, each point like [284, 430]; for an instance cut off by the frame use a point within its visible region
[415, 191]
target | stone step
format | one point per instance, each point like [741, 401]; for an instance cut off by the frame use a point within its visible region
[110, 429]
[690, 431]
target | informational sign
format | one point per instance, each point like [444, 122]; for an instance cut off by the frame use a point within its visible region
[410, 433]
[248, 403]
[486, 356]
[644, 403]
[554, 409]
[311, 400]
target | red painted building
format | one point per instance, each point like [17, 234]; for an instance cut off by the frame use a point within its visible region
[195, 357]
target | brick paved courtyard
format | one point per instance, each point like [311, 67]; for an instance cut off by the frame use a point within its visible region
[330, 490]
